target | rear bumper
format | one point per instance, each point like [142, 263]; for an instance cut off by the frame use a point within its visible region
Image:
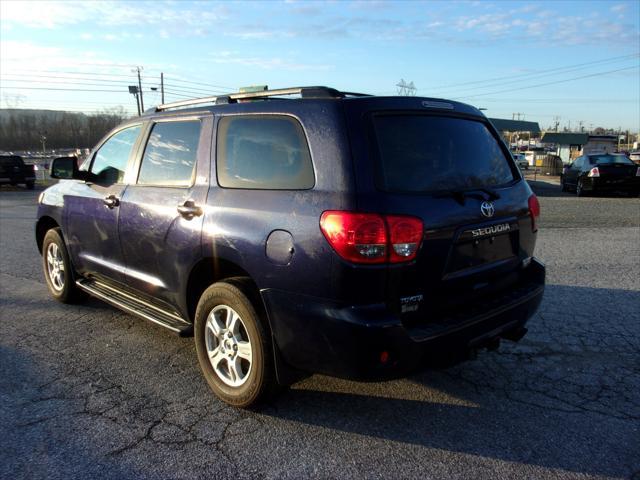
[319, 336]
[630, 185]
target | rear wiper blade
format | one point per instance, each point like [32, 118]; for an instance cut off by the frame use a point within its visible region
[493, 195]
[460, 195]
[457, 195]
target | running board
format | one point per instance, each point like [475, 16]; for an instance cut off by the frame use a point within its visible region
[135, 306]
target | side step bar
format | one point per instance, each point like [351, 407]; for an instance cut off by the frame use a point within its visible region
[135, 306]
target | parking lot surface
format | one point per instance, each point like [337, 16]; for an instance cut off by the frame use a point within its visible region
[88, 391]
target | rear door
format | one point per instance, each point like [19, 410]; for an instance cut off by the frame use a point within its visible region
[162, 210]
[573, 171]
[451, 170]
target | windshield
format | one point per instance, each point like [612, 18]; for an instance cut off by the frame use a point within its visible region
[609, 159]
[422, 153]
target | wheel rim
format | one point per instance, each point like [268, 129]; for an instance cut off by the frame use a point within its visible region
[579, 187]
[55, 266]
[228, 346]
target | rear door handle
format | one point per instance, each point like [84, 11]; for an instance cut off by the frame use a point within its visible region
[111, 201]
[189, 209]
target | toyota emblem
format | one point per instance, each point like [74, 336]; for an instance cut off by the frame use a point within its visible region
[487, 209]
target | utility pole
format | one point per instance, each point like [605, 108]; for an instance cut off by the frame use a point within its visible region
[513, 116]
[556, 120]
[161, 87]
[139, 69]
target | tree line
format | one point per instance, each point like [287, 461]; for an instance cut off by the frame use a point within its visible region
[23, 129]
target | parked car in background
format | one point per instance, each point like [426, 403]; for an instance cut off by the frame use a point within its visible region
[333, 233]
[521, 160]
[13, 171]
[635, 156]
[600, 173]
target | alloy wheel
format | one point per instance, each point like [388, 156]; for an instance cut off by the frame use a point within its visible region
[55, 266]
[228, 346]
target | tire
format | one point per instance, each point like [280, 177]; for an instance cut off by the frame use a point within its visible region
[234, 345]
[58, 270]
[30, 185]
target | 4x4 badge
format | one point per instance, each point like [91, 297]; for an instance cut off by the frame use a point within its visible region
[487, 209]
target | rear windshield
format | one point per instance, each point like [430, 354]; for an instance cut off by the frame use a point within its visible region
[421, 153]
[608, 159]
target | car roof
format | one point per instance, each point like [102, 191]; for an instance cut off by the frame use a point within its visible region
[303, 94]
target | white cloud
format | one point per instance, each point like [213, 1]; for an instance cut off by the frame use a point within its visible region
[55, 14]
[266, 63]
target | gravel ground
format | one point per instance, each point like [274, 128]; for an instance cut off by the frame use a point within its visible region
[88, 391]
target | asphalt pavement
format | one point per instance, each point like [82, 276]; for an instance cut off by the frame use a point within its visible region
[87, 391]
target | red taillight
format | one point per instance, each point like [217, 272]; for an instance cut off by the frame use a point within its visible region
[357, 237]
[372, 238]
[405, 235]
[594, 172]
[534, 210]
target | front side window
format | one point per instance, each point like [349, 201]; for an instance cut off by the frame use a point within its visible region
[170, 155]
[111, 160]
[428, 153]
[263, 152]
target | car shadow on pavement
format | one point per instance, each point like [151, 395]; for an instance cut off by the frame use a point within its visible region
[544, 188]
[566, 397]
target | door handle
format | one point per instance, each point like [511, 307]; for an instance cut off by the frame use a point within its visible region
[189, 209]
[111, 201]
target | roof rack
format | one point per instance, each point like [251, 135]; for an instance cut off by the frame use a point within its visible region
[304, 92]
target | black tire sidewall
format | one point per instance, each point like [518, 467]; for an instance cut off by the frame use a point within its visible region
[260, 376]
[65, 295]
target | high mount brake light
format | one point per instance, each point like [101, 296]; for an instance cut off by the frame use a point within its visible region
[534, 210]
[371, 238]
[594, 172]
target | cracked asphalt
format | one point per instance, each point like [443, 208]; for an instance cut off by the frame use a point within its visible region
[87, 391]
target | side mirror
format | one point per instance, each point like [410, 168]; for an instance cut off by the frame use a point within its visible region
[64, 168]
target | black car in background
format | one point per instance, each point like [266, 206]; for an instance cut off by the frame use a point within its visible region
[13, 171]
[601, 173]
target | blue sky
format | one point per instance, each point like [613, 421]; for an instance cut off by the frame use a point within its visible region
[575, 60]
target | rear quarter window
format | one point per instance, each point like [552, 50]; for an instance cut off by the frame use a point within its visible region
[263, 152]
[423, 153]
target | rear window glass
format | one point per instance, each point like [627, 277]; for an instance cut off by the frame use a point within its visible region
[263, 152]
[608, 159]
[420, 153]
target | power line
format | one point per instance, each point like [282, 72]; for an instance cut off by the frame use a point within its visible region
[539, 73]
[64, 89]
[548, 83]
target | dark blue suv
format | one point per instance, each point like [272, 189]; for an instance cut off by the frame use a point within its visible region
[301, 230]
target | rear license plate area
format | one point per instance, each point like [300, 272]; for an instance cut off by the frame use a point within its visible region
[483, 245]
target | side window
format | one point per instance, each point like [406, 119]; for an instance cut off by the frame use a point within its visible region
[263, 152]
[578, 163]
[110, 161]
[170, 154]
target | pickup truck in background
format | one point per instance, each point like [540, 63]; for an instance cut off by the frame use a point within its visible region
[14, 171]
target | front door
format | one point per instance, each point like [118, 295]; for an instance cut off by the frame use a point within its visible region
[161, 213]
[92, 208]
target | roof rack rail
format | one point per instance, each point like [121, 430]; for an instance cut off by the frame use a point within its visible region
[304, 92]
